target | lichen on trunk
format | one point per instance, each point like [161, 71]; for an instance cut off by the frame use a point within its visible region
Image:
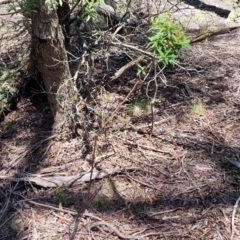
[235, 13]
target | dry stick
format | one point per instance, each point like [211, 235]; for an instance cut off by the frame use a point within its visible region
[233, 216]
[146, 147]
[149, 165]
[118, 74]
[213, 33]
[143, 183]
[145, 52]
[216, 58]
[104, 126]
[16, 160]
[147, 125]
[195, 185]
[115, 230]
[126, 67]
[162, 212]
[68, 14]
[86, 214]
[101, 131]
[155, 233]
[8, 219]
[154, 98]
[74, 213]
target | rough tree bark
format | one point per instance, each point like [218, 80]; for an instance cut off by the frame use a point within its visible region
[49, 58]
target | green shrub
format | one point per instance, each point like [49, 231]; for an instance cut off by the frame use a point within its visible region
[61, 196]
[166, 39]
[25, 7]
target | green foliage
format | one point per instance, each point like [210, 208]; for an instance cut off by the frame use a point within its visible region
[6, 90]
[167, 39]
[8, 126]
[124, 120]
[25, 7]
[141, 70]
[90, 12]
[139, 106]
[61, 196]
[104, 203]
[198, 107]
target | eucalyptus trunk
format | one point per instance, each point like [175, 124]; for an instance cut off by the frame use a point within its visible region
[49, 58]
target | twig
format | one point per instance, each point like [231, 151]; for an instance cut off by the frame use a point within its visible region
[71, 10]
[15, 161]
[134, 48]
[152, 115]
[195, 185]
[118, 107]
[143, 162]
[126, 67]
[155, 95]
[93, 162]
[233, 217]
[138, 128]
[111, 226]
[98, 159]
[216, 58]
[147, 147]
[162, 212]
[154, 233]
[101, 131]
[72, 212]
[143, 183]
[117, 74]
[212, 33]
[49, 206]
[7, 220]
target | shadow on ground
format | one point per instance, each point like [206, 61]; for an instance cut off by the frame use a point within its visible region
[206, 7]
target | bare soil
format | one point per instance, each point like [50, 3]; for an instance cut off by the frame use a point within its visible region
[171, 178]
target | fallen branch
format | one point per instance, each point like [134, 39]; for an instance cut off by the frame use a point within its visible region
[126, 67]
[66, 181]
[209, 34]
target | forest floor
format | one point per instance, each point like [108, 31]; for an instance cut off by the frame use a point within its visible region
[169, 178]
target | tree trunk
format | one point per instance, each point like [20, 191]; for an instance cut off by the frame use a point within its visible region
[235, 13]
[49, 58]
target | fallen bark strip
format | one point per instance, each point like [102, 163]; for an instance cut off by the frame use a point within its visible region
[67, 181]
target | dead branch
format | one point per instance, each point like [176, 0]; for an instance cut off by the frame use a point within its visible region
[126, 67]
[66, 181]
[209, 34]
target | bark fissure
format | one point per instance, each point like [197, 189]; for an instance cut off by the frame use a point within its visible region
[49, 58]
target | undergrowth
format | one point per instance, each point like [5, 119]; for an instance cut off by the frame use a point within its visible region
[167, 38]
